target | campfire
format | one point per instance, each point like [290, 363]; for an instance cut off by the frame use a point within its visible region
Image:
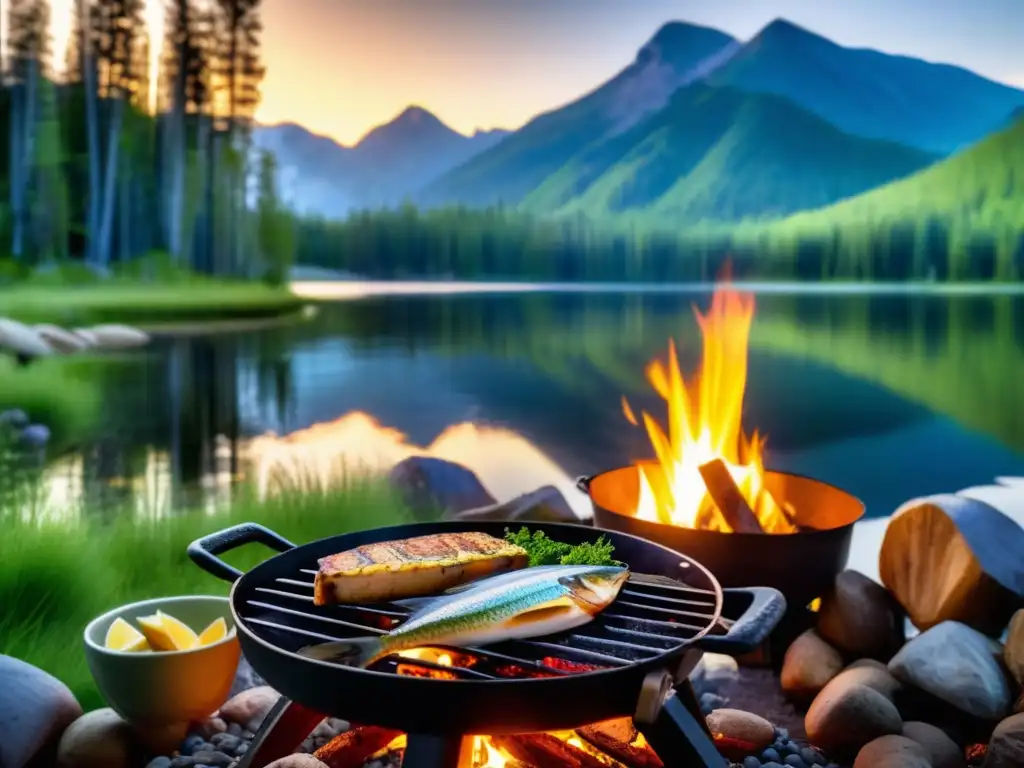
[611, 744]
[709, 473]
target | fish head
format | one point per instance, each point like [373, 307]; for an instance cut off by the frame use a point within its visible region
[596, 587]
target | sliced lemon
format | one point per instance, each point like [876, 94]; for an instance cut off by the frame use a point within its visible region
[166, 633]
[122, 636]
[214, 633]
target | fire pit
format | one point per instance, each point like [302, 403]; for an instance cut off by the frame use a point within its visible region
[707, 494]
[630, 662]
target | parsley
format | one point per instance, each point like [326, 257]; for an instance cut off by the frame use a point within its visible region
[546, 551]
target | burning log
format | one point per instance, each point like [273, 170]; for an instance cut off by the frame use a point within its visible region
[728, 498]
[354, 747]
[546, 751]
[619, 740]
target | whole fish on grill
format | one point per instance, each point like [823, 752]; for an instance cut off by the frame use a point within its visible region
[528, 603]
[422, 565]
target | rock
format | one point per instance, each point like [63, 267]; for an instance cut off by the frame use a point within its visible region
[118, 336]
[428, 485]
[958, 665]
[22, 340]
[14, 418]
[87, 336]
[892, 752]
[35, 436]
[1013, 650]
[160, 739]
[35, 708]
[159, 762]
[545, 505]
[98, 739]
[245, 677]
[709, 702]
[1018, 708]
[210, 726]
[250, 707]
[1006, 747]
[859, 617]
[713, 673]
[942, 751]
[61, 340]
[809, 664]
[738, 733]
[873, 674]
[213, 758]
[845, 716]
[297, 761]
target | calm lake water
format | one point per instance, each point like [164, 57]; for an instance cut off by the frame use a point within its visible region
[888, 396]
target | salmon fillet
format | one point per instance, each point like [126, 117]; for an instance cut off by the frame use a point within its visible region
[423, 565]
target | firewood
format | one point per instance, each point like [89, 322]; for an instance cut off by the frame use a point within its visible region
[954, 558]
[728, 499]
[615, 739]
[354, 747]
[546, 751]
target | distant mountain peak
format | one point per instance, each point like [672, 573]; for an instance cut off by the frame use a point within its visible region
[413, 114]
[784, 31]
[674, 37]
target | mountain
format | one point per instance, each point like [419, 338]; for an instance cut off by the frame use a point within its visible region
[724, 155]
[386, 166]
[980, 189]
[935, 107]
[677, 55]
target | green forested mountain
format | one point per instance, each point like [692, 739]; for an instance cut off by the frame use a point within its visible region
[719, 154]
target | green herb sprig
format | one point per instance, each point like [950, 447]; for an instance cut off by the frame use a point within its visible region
[546, 551]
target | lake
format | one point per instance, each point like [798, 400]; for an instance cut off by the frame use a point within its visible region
[886, 394]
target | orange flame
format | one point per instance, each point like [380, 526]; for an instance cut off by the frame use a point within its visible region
[704, 424]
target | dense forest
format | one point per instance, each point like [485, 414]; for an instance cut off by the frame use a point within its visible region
[105, 165]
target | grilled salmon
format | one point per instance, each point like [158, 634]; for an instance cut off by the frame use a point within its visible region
[423, 565]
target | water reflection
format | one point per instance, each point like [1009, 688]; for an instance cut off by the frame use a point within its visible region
[890, 395]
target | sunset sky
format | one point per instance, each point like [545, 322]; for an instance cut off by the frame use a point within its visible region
[339, 67]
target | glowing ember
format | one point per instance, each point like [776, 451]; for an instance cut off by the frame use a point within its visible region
[704, 425]
[486, 755]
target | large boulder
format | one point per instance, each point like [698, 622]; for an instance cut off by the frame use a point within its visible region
[428, 485]
[35, 709]
[958, 665]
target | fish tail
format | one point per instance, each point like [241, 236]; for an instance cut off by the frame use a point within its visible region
[355, 652]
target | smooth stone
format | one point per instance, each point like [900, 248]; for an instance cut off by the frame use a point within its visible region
[192, 743]
[958, 665]
[714, 672]
[744, 732]
[159, 762]
[98, 739]
[213, 758]
[859, 617]
[297, 761]
[225, 742]
[810, 663]
[35, 708]
[112, 336]
[429, 485]
[20, 339]
[751, 762]
[892, 752]
[210, 726]
[942, 750]
[544, 505]
[1006, 747]
[1013, 649]
[249, 708]
[844, 717]
[245, 678]
[873, 674]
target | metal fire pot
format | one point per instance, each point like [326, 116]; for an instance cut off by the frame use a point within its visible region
[801, 565]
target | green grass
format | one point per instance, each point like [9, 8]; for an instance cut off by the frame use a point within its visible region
[54, 579]
[62, 393]
[128, 300]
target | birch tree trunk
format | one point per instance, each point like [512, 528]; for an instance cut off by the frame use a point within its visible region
[110, 182]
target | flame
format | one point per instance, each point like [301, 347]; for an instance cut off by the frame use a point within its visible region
[704, 424]
[486, 755]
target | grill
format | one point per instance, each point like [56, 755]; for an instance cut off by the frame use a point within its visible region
[627, 662]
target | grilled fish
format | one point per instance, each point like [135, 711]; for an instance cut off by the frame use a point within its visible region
[512, 606]
[422, 565]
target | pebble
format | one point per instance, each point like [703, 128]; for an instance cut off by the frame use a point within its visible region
[225, 742]
[808, 666]
[709, 702]
[159, 762]
[745, 733]
[249, 708]
[235, 729]
[213, 758]
[193, 743]
[751, 762]
[846, 717]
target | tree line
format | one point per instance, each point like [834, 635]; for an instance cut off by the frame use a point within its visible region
[465, 243]
[106, 163]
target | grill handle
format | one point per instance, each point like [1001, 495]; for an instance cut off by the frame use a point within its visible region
[749, 631]
[583, 483]
[203, 551]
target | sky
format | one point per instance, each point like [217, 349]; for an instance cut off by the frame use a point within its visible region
[340, 67]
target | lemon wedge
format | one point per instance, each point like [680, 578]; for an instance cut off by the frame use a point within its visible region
[214, 633]
[166, 633]
[122, 636]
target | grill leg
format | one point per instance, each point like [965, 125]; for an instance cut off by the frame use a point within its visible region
[282, 732]
[428, 751]
[677, 731]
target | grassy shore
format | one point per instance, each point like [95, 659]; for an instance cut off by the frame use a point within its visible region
[55, 579]
[131, 301]
[62, 393]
